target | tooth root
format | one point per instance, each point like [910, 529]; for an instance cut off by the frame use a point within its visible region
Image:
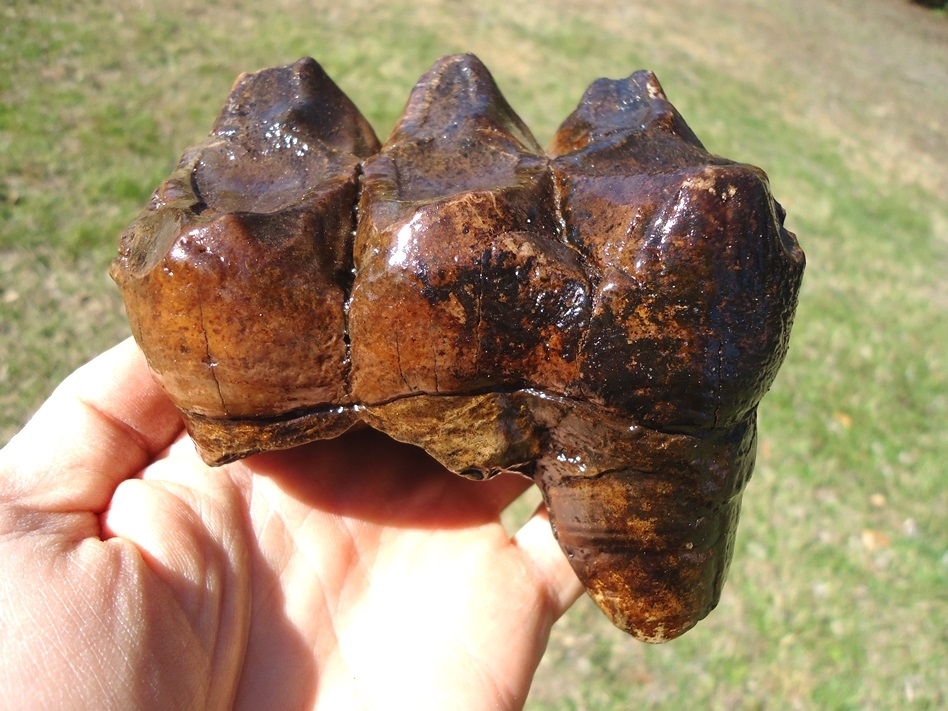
[646, 519]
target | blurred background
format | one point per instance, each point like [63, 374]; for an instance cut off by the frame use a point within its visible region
[838, 594]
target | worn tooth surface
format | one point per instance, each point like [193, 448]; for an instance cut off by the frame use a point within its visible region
[604, 318]
[235, 277]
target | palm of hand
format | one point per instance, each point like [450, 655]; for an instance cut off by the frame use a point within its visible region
[353, 573]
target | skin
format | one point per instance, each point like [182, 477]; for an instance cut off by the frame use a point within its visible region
[351, 573]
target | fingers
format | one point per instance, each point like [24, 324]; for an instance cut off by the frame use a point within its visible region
[553, 571]
[103, 424]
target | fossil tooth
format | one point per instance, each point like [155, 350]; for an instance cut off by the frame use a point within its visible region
[604, 317]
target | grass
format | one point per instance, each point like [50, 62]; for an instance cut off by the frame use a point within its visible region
[838, 596]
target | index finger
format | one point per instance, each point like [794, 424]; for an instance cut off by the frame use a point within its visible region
[103, 424]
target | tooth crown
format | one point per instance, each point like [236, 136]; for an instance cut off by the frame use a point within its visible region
[603, 317]
[463, 281]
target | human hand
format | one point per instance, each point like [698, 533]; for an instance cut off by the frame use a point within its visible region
[351, 573]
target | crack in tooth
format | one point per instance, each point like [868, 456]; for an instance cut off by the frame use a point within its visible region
[209, 360]
[348, 289]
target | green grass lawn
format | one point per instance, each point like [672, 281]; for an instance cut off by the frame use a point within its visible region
[838, 594]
